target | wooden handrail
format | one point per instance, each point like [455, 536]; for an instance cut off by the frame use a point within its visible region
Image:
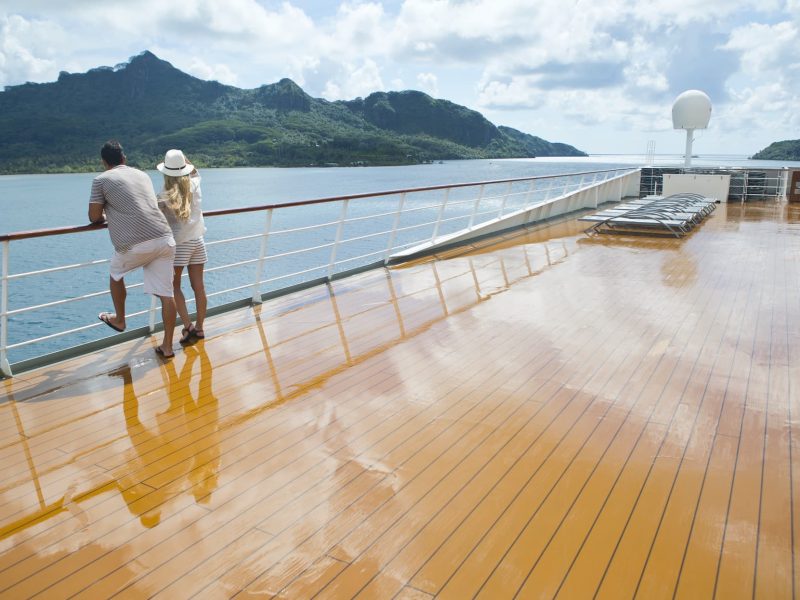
[22, 235]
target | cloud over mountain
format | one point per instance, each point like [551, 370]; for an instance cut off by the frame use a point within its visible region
[547, 65]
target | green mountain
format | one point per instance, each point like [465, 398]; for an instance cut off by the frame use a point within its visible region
[150, 106]
[785, 150]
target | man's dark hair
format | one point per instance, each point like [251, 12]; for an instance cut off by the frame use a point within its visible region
[111, 152]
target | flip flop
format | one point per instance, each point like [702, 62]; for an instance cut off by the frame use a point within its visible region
[104, 317]
[186, 335]
[163, 356]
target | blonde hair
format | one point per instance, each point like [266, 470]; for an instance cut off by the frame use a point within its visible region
[178, 191]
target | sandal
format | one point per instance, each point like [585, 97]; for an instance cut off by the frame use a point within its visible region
[163, 356]
[186, 335]
[199, 334]
[106, 318]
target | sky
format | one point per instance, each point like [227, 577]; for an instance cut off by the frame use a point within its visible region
[600, 75]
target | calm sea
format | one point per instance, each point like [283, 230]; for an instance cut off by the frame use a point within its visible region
[30, 202]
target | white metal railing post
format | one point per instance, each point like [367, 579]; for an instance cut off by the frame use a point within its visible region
[579, 194]
[596, 187]
[152, 312]
[566, 186]
[441, 214]
[549, 189]
[395, 227]
[783, 184]
[505, 198]
[528, 195]
[5, 368]
[339, 229]
[475, 206]
[261, 257]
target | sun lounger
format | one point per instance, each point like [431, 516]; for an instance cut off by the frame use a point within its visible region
[672, 215]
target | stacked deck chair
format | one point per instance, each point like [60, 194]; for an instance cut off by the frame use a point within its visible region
[653, 215]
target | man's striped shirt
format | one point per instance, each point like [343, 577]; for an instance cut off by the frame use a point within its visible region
[131, 207]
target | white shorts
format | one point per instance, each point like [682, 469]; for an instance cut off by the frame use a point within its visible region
[191, 252]
[155, 257]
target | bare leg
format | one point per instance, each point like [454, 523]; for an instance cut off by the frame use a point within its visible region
[168, 313]
[196, 280]
[118, 295]
[180, 299]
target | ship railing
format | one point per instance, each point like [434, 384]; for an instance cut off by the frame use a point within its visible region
[746, 183]
[271, 250]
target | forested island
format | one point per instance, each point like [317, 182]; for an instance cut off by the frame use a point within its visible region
[151, 106]
[785, 150]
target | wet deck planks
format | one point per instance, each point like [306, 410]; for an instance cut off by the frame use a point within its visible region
[543, 416]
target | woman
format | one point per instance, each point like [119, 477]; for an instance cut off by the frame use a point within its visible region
[180, 201]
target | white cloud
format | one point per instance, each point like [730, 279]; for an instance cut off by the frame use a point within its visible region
[514, 94]
[677, 13]
[24, 50]
[548, 58]
[428, 83]
[217, 72]
[767, 47]
[358, 30]
[356, 80]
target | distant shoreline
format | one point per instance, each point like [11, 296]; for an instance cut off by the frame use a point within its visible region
[670, 160]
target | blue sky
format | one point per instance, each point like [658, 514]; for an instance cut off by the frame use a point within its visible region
[601, 76]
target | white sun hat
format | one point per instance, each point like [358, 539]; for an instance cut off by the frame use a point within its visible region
[175, 164]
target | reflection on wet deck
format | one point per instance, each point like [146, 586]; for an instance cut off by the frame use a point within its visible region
[542, 415]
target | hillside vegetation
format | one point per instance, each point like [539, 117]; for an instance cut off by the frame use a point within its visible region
[785, 150]
[150, 106]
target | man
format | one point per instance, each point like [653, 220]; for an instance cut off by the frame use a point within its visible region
[140, 234]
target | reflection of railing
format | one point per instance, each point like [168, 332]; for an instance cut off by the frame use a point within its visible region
[317, 240]
[194, 419]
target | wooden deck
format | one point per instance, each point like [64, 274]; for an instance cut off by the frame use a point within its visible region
[545, 415]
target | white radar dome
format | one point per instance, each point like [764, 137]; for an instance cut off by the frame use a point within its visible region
[691, 110]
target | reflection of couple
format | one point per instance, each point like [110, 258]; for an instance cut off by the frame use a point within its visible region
[188, 425]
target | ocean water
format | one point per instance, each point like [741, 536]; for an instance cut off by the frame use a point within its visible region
[33, 202]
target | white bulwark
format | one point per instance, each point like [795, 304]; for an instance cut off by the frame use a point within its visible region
[710, 186]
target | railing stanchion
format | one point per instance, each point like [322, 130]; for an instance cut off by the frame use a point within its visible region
[531, 187]
[261, 257]
[475, 207]
[5, 368]
[441, 214]
[505, 198]
[549, 189]
[579, 194]
[395, 226]
[339, 229]
[596, 190]
[152, 324]
[566, 186]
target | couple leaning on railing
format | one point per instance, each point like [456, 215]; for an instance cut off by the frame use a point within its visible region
[161, 233]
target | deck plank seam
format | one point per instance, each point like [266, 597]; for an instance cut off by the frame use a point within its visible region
[686, 447]
[445, 540]
[563, 472]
